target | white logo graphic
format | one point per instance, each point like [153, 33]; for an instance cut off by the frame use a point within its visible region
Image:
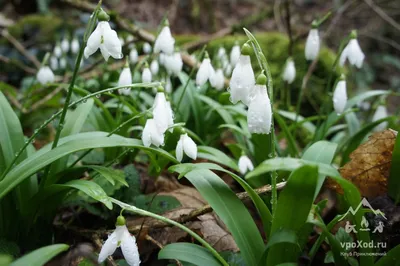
[364, 223]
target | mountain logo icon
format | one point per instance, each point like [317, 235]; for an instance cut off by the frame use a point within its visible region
[364, 203]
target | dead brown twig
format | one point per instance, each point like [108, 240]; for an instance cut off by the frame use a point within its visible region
[382, 14]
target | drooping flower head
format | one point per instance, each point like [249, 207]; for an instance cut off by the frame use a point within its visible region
[218, 79]
[154, 67]
[162, 111]
[245, 164]
[121, 238]
[57, 50]
[259, 115]
[312, 43]
[164, 42]
[133, 55]
[289, 74]
[242, 80]
[45, 75]
[205, 72]
[173, 63]
[151, 134]
[235, 54]
[185, 145]
[65, 45]
[340, 96]
[381, 112]
[146, 74]
[75, 45]
[105, 38]
[352, 52]
[125, 78]
[146, 48]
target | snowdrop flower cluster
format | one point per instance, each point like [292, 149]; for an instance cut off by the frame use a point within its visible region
[146, 74]
[242, 80]
[185, 145]
[352, 52]
[259, 115]
[381, 112]
[125, 78]
[45, 75]
[340, 96]
[245, 164]
[312, 44]
[121, 238]
[289, 74]
[205, 72]
[164, 42]
[105, 39]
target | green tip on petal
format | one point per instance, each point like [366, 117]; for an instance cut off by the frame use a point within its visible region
[262, 79]
[314, 24]
[120, 221]
[103, 16]
[160, 89]
[246, 49]
[146, 65]
[206, 56]
[342, 77]
[353, 34]
[127, 62]
[166, 23]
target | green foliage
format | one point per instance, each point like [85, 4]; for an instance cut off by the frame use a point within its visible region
[41, 255]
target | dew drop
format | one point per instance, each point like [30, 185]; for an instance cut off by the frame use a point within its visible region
[98, 95]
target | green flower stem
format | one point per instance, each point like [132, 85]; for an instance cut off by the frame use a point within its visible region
[138, 211]
[54, 116]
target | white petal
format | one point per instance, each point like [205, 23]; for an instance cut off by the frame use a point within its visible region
[53, 62]
[146, 48]
[218, 79]
[170, 116]
[173, 63]
[343, 56]
[242, 81]
[65, 45]
[45, 75]
[179, 149]
[190, 147]
[125, 79]
[340, 97]
[204, 73]
[94, 40]
[259, 115]
[235, 54]
[154, 67]
[160, 112]
[221, 52]
[312, 45]
[245, 164]
[63, 63]
[164, 42]
[289, 73]
[151, 134]
[130, 249]
[133, 56]
[109, 246]
[356, 56]
[111, 43]
[57, 51]
[75, 46]
[168, 85]
[146, 75]
[381, 112]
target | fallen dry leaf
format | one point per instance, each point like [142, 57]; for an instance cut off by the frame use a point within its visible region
[369, 166]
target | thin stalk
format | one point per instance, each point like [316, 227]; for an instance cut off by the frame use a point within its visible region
[189, 78]
[54, 116]
[138, 211]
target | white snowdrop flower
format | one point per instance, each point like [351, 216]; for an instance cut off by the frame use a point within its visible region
[129, 38]
[151, 134]
[57, 51]
[353, 53]
[259, 115]
[75, 45]
[173, 63]
[146, 48]
[133, 56]
[125, 78]
[218, 79]
[224, 62]
[161, 114]
[312, 44]
[168, 84]
[63, 63]
[161, 58]
[186, 145]
[154, 67]
[221, 53]
[205, 71]
[245, 164]
[289, 74]
[381, 112]
[146, 75]
[53, 62]
[242, 80]
[228, 70]
[164, 42]
[235, 54]
[45, 75]
[65, 45]
[106, 39]
[340, 96]
[121, 238]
